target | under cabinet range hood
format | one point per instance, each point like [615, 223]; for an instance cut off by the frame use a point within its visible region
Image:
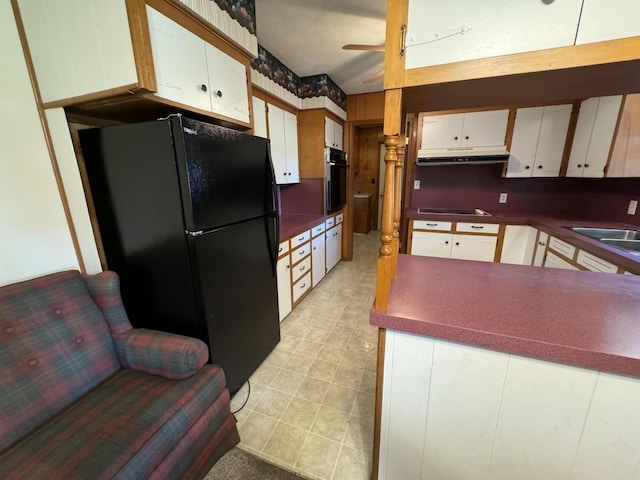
[463, 156]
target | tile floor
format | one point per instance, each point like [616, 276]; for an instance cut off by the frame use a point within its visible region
[312, 400]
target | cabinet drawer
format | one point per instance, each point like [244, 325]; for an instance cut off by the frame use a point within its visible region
[477, 227]
[330, 222]
[317, 230]
[301, 252]
[339, 218]
[562, 247]
[283, 248]
[554, 261]
[595, 264]
[301, 286]
[300, 239]
[301, 268]
[431, 225]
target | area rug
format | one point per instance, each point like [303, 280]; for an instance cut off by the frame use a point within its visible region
[238, 464]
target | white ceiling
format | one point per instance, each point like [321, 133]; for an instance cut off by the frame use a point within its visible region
[308, 35]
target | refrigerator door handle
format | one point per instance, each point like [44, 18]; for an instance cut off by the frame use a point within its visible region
[275, 211]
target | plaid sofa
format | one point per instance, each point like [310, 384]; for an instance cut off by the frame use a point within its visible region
[83, 395]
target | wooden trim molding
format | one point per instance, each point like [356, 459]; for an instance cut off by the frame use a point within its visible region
[47, 135]
[382, 336]
[141, 42]
[574, 56]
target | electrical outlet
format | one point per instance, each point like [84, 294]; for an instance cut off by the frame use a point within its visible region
[633, 204]
[416, 184]
[503, 198]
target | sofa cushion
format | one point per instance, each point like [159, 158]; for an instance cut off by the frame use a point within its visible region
[104, 287]
[160, 353]
[122, 429]
[55, 346]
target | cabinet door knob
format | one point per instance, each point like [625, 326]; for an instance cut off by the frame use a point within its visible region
[539, 166]
[579, 165]
[586, 165]
[219, 94]
[447, 242]
[467, 137]
[455, 138]
[527, 167]
[458, 243]
[203, 87]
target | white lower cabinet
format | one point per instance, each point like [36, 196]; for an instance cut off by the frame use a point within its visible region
[554, 261]
[541, 247]
[456, 245]
[474, 247]
[595, 264]
[334, 246]
[518, 244]
[318, 259]
[284, 286]
[301, 287]
[431, 244]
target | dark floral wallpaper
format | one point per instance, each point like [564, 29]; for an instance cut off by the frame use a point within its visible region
[243, 11]
[322, 85]
[305, 87]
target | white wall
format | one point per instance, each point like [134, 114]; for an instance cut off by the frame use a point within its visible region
[34, 234]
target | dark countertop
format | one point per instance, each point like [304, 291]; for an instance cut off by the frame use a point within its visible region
[553, 226]
[292, 225]
[577, 318]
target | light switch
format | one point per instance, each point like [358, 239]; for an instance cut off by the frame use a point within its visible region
[416, 184]
[633, 205]
[503, 198]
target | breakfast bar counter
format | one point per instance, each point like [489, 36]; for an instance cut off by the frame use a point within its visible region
[507, 371]
[579, 318]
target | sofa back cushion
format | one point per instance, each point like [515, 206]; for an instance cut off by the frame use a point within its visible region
[55, 346]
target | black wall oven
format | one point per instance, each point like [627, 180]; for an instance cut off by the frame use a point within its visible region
[336, 175]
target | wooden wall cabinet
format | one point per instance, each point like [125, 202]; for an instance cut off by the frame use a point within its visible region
[538, 141]
[333, 132]
[195, 73]
[313, 133]
[593, 136]
[283, 133]
[464, 130]
[625, 157]
[440, 31]
[93, 55]
[600, 21]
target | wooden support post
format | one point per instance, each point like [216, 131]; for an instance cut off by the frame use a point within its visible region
[397, 208]
[385, 267]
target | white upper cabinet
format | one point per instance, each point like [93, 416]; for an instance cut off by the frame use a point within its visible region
[179, 61]
[79, 48]
[539, 138]
[606, 20]
[442, 31]
[464, 130]
[259, 118]
[283, 133]
[332, 134]
[228, 85]
[594, 133]
[194, 73]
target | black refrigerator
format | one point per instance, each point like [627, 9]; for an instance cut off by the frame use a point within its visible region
[188, 218]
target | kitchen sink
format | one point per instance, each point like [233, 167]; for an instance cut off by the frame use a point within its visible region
[631, 246]
[455, 211]
[607, 233]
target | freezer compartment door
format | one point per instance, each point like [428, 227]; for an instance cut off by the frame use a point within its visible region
[226, 176]
[239, 299]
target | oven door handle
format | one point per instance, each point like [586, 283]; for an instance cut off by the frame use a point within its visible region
[334, 164]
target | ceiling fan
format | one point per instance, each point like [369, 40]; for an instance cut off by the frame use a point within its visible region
[367, 48]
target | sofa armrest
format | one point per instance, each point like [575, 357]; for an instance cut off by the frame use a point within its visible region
[160, 353]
